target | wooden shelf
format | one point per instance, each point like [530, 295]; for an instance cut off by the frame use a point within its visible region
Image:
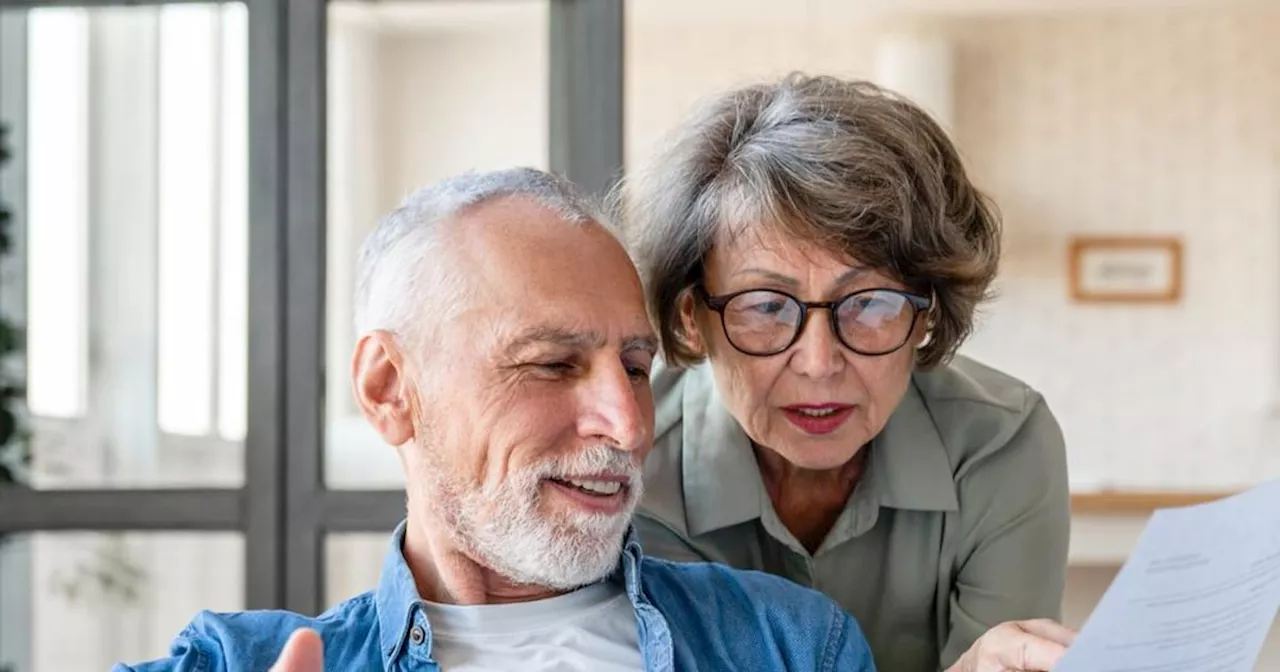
[1129, 503]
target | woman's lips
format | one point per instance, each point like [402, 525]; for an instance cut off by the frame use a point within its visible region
[818, 419]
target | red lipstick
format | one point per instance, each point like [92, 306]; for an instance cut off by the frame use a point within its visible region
[818, 419]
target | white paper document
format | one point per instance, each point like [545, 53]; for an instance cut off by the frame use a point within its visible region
[1198, 594]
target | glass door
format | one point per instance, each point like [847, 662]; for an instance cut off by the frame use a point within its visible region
[141, 181]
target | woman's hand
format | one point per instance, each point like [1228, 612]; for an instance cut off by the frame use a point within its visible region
[1017, 646]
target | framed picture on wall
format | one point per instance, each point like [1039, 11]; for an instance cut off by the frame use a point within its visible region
[1131, 269]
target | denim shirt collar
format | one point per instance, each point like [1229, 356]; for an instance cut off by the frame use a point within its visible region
[399, 604]
[396, 597]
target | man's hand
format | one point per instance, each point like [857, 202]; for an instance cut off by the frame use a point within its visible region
[304, 652]
[1017, 646]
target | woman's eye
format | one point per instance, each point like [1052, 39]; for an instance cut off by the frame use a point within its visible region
[768, 307]
[870, 303]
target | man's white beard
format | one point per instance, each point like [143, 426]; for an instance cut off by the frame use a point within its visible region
[502, 528]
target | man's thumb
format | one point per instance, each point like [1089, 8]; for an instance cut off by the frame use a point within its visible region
[304, 652]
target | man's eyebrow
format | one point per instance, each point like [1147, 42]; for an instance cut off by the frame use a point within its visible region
[582, 340]
[548, 335]
[643, 342]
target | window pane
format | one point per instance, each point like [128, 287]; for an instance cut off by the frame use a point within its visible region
[85, 600]
[57, 198]
[417, 92]
[353, 563]
[137, 267]
[233, 244]
[188, 191]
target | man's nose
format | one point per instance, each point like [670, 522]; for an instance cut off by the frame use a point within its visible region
[613, 411]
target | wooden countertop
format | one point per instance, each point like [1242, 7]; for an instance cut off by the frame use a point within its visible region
[1131, 502]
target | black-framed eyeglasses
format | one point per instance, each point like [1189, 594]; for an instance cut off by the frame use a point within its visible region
[765, 322]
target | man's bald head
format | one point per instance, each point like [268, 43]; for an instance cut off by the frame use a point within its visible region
[409, 277]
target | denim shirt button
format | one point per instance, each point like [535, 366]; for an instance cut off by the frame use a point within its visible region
[416, 635]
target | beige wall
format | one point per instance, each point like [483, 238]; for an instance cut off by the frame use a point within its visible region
[1150, 124]
[459, 99]
[1164, 122]
[1087, 122]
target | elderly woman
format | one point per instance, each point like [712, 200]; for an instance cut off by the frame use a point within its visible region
[813, 254]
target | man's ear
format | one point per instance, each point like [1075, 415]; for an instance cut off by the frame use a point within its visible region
[383, 386]
[689, 332]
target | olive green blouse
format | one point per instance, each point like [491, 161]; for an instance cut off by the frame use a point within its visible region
[960, 521]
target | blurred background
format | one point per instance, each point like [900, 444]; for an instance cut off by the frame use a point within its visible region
[188, 185]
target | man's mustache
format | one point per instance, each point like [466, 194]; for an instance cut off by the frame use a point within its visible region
[597, 459]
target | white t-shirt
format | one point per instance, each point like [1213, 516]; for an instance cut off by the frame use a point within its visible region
[592, 629]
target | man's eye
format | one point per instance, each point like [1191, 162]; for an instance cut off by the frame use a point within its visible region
[556, 367]
[638, 372]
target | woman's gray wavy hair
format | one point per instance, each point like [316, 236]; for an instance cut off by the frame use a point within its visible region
[842, 163]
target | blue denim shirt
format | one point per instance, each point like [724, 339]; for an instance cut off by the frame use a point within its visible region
[690, 617]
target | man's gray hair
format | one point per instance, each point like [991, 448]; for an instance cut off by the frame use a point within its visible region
[402, 272]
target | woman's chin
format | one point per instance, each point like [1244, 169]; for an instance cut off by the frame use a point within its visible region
[818, 455]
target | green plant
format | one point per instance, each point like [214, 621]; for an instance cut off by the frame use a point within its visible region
[15, 456]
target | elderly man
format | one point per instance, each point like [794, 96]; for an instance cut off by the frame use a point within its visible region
[506, 355]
